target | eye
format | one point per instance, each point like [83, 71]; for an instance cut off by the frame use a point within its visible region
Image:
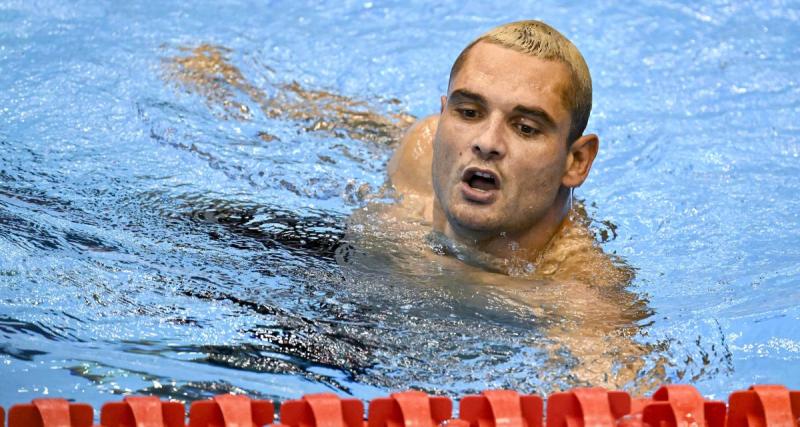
[468, 113]
[526, 130]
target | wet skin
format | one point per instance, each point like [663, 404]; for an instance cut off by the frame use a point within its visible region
[501, 165]
[575, 288]
[505, 121]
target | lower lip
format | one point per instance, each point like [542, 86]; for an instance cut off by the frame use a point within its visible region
[478, 196]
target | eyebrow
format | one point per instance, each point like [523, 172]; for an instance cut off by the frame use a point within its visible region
[465, 95]
[537, 113]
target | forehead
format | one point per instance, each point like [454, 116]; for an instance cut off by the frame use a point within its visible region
[509, 78]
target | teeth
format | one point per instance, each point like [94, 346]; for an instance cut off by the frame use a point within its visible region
[484, 175]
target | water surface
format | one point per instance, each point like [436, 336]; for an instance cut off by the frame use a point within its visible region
[173, 228]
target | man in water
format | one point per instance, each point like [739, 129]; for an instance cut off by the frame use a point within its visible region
[492, 175]
[495, 170]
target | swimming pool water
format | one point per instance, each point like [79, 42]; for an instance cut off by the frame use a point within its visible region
[176, 182]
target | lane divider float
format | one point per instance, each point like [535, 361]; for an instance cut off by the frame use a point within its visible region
[673, 405]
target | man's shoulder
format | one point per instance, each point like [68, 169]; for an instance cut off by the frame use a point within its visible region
[574, 256]
[410, 167]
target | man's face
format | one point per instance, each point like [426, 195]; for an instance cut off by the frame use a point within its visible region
[500, 149]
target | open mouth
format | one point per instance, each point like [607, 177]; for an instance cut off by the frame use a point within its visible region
[481, 179]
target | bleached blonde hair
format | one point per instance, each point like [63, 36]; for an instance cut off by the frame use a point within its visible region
[540, 40]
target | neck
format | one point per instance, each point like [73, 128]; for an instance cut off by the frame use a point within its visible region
[527, 244]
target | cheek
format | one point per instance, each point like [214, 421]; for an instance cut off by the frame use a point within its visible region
[542, 180]
[449, 153]
[553, 172]
[549, 181]
[453, 139]
[444, 159]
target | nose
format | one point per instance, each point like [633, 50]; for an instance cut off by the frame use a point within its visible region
[490, 144]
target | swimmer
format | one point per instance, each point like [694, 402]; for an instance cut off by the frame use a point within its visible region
[485, 187]
[494, 172]
[492, 176]
[509, 149]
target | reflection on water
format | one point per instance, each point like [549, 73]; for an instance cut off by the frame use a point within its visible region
[183, 218]
[337, 300]
[592, 321]
[315, 233]
[571, 330]
[578, 331]
[206, 70]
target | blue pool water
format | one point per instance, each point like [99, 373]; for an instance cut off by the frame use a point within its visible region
[176, 182]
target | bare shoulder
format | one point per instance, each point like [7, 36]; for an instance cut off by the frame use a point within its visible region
[410, 167]
[574, 256]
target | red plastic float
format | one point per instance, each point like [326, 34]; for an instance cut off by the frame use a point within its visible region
[587, 407]
[140, 411]
[230, 410]
[322, 410]
[409, 409]
[764, 405]
[678, 405]
[670, 406]
[50, 413]
[501, 408]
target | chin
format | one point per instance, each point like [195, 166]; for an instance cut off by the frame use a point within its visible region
[474, 222]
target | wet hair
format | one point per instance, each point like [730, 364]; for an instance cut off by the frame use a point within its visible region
[540, 40]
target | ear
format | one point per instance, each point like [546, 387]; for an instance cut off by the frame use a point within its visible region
[444, 102]
[579, 160]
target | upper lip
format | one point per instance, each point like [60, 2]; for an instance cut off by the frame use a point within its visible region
[486, 173]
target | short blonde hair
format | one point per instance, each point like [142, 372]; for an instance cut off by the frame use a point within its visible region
[538, 39]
